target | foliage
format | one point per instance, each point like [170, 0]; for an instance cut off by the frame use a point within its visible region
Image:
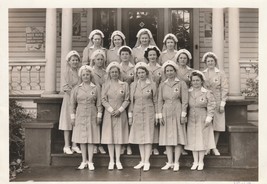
[17, 116]
[252, 84]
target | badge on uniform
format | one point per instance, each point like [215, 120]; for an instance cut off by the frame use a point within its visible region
[176, 90]
[148, 91]
[188, 76]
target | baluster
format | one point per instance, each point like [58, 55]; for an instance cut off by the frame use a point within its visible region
[19, 79]
[248, 69]
[38, 68]
[10, 78]
[28, 87]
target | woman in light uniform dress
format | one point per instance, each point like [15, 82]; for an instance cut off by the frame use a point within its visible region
[172, 109]
[127, 75]
[183, 57]
[115, 99]
[98, 58]
[169, 49]
[117, 41]
[152, 54]
[144, 40]
[199, 128]
[142, 113]
[71, 79]
[86, 115]
[216, 81]
[95, 43]
[125, 55]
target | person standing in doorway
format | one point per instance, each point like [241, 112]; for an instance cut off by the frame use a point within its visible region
[144, 40]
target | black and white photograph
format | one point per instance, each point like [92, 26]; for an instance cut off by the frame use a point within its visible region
[133, 91]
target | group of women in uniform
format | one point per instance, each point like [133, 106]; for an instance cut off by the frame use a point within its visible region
[142, 96]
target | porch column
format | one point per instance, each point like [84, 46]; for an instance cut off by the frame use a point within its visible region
[119, 19]
[66, 41]
[166, 21]
[218, 35]
[50, 50]
[234, 52]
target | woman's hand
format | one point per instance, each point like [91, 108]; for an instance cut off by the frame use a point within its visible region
[72, 121]
[68, 90]
[161, 121]
[116, 113]
[130, 121]
[156, 121]
[221, 109]
[183, 120]
[98, 121]
[207, 123]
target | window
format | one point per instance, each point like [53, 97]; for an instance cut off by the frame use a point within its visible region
[105, 19]
[76, 24]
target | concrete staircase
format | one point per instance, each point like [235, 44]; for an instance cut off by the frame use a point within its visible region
[58, 158]
[238, 145]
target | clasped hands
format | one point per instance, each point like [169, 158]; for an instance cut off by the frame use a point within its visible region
[115, 113]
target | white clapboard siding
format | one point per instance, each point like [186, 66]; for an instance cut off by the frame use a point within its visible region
[19, 19]
[249, 28]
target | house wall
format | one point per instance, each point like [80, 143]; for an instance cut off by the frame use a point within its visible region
[249, 29]
[19, 19]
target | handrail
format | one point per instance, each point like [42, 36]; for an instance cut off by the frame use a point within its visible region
[25, 76]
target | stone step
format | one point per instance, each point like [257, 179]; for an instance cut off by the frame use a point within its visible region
[60, 159]
[57, 147]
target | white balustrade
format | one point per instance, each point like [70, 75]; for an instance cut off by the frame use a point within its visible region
[25, 76]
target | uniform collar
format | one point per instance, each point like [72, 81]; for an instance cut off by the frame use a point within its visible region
[129, 65]
[215, 69]
[91, 84]
[146, 47]
[156, 65]
[202, 89]
[147, 81]
[93, 46]
[176, 80]
[165, 51]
